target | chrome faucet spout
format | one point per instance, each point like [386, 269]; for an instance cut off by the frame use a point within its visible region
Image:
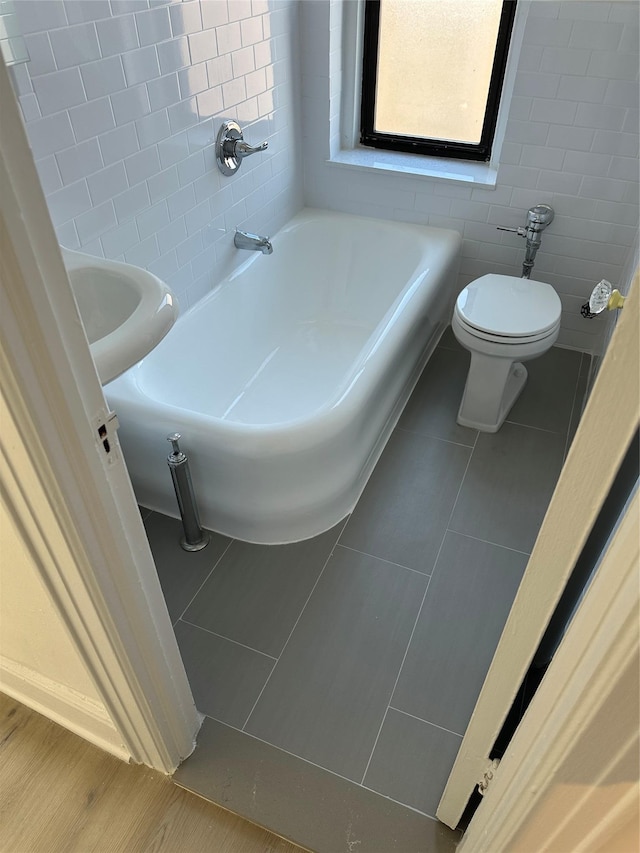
[253, 242]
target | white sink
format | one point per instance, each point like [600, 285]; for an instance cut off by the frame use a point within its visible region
[126, 311]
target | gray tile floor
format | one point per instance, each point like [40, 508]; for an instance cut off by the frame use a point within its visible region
[357, 656]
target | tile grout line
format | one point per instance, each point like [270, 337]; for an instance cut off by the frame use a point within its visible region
[435, 437]
[424, 598]
[455, 503]
[227, 639]
[318, 766]
[386, 710]
[488, 542]
[537, 429]
[421, 720]
[404, 805]
[400, 668]
[304, 607]
[213, 568]
[382, 560]
[567, 442]
[565, 431]
[282, 749]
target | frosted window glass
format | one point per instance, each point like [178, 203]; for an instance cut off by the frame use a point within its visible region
[434, 67]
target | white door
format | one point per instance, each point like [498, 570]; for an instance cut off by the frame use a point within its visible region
[605, 432]
[71, 498]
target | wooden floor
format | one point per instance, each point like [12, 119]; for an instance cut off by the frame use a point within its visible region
[60, 793]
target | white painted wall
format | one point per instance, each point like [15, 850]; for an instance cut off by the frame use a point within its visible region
[32, 634]
[571, 141]
[122, 103]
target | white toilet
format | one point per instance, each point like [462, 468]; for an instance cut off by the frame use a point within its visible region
[502, 320]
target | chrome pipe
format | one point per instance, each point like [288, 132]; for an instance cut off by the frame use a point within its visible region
[195, 538]
[538, 218]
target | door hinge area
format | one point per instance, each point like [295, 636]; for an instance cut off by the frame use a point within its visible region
[487, 776]
[106, 424]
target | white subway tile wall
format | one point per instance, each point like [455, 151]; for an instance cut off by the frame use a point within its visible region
[571, 141]
[122, 100]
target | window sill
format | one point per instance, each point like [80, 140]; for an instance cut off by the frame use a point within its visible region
[465, 173]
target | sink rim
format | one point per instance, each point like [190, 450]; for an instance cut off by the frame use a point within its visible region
[151, 319]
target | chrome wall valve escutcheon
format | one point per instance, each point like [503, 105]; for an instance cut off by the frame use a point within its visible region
[231, 149]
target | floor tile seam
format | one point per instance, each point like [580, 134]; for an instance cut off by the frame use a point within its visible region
[319, 767]
[442, 541]
[304, 607]
[573, 408]
[400, 803]
[259, 739]
[537, 429]
[377, 738]
[395, 684]
[420, 609]
[434, 437]
[382, 560]
[429, 574]
[227, 639]
[488, 542]
[455, 503]
[213, 568]
[423, 720]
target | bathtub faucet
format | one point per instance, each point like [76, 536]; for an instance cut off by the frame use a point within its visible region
[253, 242]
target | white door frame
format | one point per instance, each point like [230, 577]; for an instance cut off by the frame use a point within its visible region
[606, 430]
[72, 501]
[581, 788]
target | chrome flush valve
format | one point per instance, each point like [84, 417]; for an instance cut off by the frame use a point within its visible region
[538, 218]
[231, 149]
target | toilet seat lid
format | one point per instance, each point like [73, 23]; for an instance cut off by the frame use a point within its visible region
[509, 306]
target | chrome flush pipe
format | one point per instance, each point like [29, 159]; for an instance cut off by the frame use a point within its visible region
[538, 218]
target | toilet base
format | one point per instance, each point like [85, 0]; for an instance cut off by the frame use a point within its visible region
[493, 386]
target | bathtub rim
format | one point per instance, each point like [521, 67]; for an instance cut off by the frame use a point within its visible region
[386, 336]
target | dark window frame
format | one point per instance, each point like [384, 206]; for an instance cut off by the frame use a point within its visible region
[419, 145]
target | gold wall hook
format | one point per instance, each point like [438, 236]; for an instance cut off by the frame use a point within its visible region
[616, 301]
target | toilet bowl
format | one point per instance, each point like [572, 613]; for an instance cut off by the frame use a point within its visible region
[503, 321]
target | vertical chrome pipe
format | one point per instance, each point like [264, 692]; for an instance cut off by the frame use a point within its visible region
[527, 264]
[195, 538]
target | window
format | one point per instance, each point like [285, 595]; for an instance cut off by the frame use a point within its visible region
[432, 75]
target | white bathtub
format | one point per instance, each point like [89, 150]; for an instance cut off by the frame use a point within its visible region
[287, 379]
